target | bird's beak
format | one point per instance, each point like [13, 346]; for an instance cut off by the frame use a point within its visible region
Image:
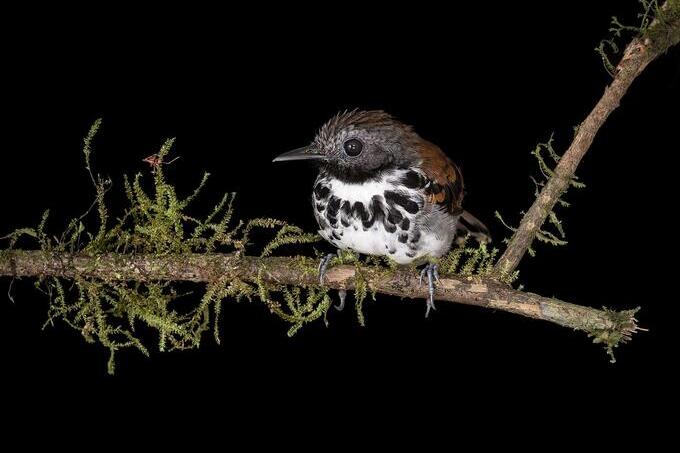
[304, 153]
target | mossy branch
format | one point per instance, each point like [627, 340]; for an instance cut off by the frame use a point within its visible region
[122, 275]
[654, 37]
[605, 326]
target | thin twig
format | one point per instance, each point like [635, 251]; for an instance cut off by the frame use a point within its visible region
[637, 55]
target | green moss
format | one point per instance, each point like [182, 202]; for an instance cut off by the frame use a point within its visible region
[622, 324]
[297, 308]
[361, 290]
[156, 222]
[289, 234]
[661, 26]
[469, 261]
[557, 237]
[666, 31]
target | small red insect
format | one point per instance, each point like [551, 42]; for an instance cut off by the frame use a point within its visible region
[156, 161]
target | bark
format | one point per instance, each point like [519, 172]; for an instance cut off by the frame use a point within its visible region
[483, 292]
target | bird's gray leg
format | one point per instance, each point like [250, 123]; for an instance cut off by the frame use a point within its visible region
[323, 266]
[342, 293]
[432, 272]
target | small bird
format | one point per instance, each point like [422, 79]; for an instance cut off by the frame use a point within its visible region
[383, 190]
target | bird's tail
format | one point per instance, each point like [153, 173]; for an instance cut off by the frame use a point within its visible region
[470, 225]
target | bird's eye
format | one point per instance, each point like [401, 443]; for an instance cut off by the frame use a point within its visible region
[353, 147]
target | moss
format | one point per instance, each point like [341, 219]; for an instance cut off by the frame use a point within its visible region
[472, 262]
[289, 234]
[558, 237]
[361, 290]
[659, 26]
[297, 308]
[621, 326]
[156, 222]
[666, 31]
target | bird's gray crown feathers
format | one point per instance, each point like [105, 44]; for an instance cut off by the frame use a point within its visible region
[358, 144]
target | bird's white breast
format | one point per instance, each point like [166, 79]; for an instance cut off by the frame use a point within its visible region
[380, 217]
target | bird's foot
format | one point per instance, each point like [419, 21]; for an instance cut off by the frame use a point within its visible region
[431, 271]
[323, 266]
[342, 294]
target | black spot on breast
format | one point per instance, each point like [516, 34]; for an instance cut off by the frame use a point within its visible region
[345, 213]
[320, 207]
[375, 212]
[389, 227]
[377, 207]
[412, 180]
[333, 205]
[359, 211]
[321, 192]
[394, 216]
[332, 210]
[411, 206]
[392, 251]
[410, 254]
[405, 224]
[403, 237]
[415, 237]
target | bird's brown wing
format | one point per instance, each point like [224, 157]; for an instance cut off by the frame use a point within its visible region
[445, 181]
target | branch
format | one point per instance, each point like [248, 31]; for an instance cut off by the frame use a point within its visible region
[161, 243]
[637, 55]
[605, 325]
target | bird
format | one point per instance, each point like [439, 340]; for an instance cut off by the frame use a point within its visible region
[383, 190]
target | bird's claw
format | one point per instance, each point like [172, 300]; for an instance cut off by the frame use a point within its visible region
[430, 270]
[342, 294]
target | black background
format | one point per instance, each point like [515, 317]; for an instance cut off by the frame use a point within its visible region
[239, 87]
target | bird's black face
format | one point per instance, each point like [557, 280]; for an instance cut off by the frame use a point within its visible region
[356, 146]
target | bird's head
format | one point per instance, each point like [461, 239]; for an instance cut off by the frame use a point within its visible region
[358, 145]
